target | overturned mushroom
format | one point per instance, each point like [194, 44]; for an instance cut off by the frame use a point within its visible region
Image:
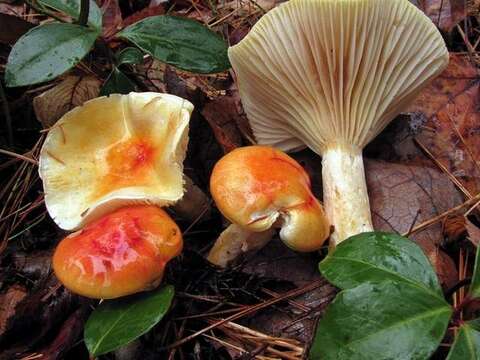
[112, 152]
[121, 253]
[330, 75]
[258, 188]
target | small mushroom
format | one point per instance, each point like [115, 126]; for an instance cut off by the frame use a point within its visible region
[113, 152]
[258, 188]
[330, 75]
[119, 254]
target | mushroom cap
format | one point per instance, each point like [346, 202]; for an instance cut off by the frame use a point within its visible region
[119, 254]
[326, 72]
[114, 151]
[257, 187]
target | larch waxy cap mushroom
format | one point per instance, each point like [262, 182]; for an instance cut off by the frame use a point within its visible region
[330, 75]
[122, 253]
[115, 151]
[259, 188]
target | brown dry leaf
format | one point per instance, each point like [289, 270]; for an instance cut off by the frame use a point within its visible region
[402, 196]
[9, 301]
[71, 92]
[444, 13]
[454, 227]
[112, 17]
[223, 118]
[451, 107]
[473, 232]
[142, 14]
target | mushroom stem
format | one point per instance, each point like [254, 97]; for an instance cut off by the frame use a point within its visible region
[235, 241]
[345, 192]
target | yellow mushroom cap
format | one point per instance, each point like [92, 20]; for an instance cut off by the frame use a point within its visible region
[257, 187]
[319, 73]
[115, 151]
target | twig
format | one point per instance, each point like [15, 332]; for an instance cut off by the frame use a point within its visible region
[438, 218]
[19, 156]
[248, 311]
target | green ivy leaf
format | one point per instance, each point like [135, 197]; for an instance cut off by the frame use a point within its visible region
[475, 286]
[115, 323]
[376, 257]
[180, 42]
[117, 83]
[466, 345]
[46, 52]
[129, 55]
[72, 8]
[388, 320]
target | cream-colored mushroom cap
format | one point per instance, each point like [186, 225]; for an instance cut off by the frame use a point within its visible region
[115, 151]
[319, 72]
[330, 75]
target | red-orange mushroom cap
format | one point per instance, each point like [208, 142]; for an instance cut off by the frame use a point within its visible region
[257, 187]
[119, 254]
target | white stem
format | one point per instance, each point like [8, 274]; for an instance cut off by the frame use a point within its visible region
[345, 192]
[235, 241]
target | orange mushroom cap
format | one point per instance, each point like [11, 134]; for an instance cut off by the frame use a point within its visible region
[121, 253]
[257, 187]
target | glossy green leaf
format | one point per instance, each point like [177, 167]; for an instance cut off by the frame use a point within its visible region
[388, 320]
[115, 323]
[377, 256]
[180, 42]
[117, 83]
[466, 345]
[129, 55]
[475, 286]
[72, 8]
[46, 52]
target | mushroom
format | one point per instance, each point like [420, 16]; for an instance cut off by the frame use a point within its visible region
[258, 188]
[330, 75]
[113, 152]
[121, 253]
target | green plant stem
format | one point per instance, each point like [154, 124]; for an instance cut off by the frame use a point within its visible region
[8, 117]
[84, 10]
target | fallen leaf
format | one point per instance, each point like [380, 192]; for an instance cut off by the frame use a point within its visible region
[71, 92]
[454, 227]
[223, 118]
[402, 196]
[142, 14]
[473, 232]
[450, 106]
[445, 14]
[9, 301]
[112, 17]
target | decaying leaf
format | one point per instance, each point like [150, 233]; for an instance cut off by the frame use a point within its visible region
[451, 109]
[402, 196]
[454, 227]
[9, 301]
[444, 13]
[473, 232]
[71, 92]
[112, 17]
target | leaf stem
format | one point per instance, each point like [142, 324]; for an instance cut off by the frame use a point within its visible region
[84, 11]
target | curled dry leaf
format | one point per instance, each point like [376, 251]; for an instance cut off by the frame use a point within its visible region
[71, 92]
[142, 14]
[450, 106]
